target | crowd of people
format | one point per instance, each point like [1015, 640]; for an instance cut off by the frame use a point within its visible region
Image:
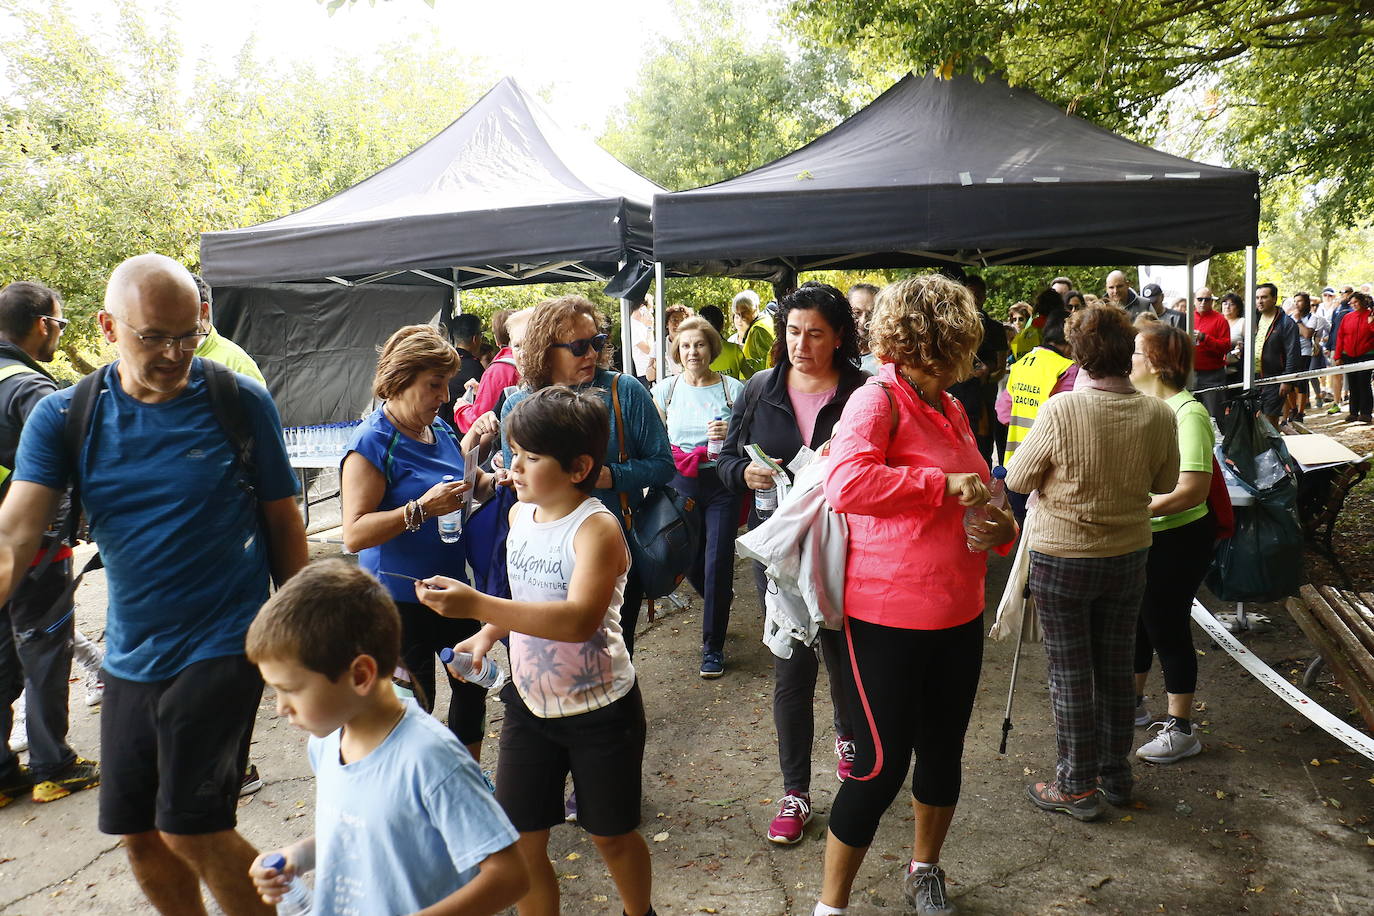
[904, 397]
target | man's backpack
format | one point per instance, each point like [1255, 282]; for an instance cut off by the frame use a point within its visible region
[223, 389]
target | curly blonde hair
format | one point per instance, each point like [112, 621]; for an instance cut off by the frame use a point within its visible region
[928, 323]
[549, 324]
[411, 350]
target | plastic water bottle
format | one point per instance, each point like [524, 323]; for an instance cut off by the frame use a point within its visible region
[451, 525]
[296, 901]
[460, 664]
[997, 496]
[713, 445]
[765, 502]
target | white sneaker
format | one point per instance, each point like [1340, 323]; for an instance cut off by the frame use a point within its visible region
[95, 688]
[1142, 716]
[19, 735]
[1170, 745]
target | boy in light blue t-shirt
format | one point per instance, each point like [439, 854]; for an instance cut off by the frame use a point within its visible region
[403, 819]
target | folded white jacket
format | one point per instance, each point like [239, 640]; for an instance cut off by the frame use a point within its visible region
[803, 548]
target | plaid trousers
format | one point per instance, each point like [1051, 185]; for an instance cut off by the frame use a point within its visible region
[1088, 608]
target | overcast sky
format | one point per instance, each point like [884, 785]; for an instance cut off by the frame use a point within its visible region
[585, 51]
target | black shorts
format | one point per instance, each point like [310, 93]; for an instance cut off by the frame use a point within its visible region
[173, 752]
[603, 749]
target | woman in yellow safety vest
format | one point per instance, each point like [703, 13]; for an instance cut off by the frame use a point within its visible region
[1044, 371]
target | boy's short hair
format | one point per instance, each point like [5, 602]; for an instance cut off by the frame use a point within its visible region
[563, 424]
[324, 617]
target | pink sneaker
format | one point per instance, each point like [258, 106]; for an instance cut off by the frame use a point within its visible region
[844, 750]
[794, 813]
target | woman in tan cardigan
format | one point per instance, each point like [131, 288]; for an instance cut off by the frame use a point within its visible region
[1095, 454]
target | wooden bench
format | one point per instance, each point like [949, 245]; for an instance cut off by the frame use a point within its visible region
[1340, 625]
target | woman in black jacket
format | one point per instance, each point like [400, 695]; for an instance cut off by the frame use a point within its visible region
[797, 403]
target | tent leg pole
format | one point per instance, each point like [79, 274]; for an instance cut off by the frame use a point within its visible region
[1251, 268]
[659, 330]
[1189, 305]
[627, 361]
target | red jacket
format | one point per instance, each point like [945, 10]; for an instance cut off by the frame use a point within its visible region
[499, 376]
[908, 565]
[1210, 355]
[1356, 336]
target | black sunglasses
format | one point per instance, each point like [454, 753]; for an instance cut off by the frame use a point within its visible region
[581, 346]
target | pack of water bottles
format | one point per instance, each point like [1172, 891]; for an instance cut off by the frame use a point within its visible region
[322, 441]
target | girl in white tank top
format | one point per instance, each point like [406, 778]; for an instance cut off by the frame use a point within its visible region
[557, 679]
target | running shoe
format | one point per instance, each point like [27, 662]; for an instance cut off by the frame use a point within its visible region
[252, 781]
[1170, 746]
[570, 808]
[1086, 806]
[712, 663]
[844, 751]
[15, 783]
[1142, 716]
[924, 889]
[79, 774]
[794, 813]
[95, 688]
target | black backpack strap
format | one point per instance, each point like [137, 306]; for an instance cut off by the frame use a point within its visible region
[74, 430]
[223, 388]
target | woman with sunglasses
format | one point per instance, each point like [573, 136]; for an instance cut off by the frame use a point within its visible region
[564, 345]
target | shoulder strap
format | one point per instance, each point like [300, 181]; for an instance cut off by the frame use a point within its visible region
[625, 514]
[74, 431]
[672, 389]
[13, 369]
[228, 407]
[891, 406]
[725, 389]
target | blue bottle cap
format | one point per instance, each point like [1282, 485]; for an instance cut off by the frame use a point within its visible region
[276, 861]
[999, 472]
[446, 655]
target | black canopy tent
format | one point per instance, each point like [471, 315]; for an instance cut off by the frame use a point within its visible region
[938, 172]
[503, 195]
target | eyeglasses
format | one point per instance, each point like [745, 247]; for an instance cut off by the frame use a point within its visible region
[186, 343]
[581, 346]
[61, 322]
[1206, 298]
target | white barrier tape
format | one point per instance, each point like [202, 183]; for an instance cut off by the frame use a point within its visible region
[1354, 739]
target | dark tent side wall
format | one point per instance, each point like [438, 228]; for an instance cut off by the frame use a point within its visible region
[316, 343]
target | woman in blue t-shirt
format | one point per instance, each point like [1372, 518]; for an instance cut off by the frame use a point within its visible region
[696, 407]
[393, 493]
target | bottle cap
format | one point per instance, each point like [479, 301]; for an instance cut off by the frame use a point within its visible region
[446, 655]
[448, 478]
[276, 861]
[999, 472]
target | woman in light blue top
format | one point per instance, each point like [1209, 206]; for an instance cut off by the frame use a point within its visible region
[696, 407]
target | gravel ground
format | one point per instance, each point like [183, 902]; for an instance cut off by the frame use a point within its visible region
[1273, 817]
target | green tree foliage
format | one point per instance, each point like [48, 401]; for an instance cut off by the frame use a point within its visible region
[102, 157]
[1281, 82]
[710, 106]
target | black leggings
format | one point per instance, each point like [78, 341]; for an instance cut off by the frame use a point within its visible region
[423, 634]
[1178, 560]
[915, 690]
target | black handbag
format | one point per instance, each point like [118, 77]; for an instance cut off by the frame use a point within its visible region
[663, 531]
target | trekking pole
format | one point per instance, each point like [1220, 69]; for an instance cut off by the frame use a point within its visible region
[1015, 663]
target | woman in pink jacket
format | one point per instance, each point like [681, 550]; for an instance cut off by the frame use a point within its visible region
[904, 467]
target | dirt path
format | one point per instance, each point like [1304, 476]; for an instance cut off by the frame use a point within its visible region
[1273, 817]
